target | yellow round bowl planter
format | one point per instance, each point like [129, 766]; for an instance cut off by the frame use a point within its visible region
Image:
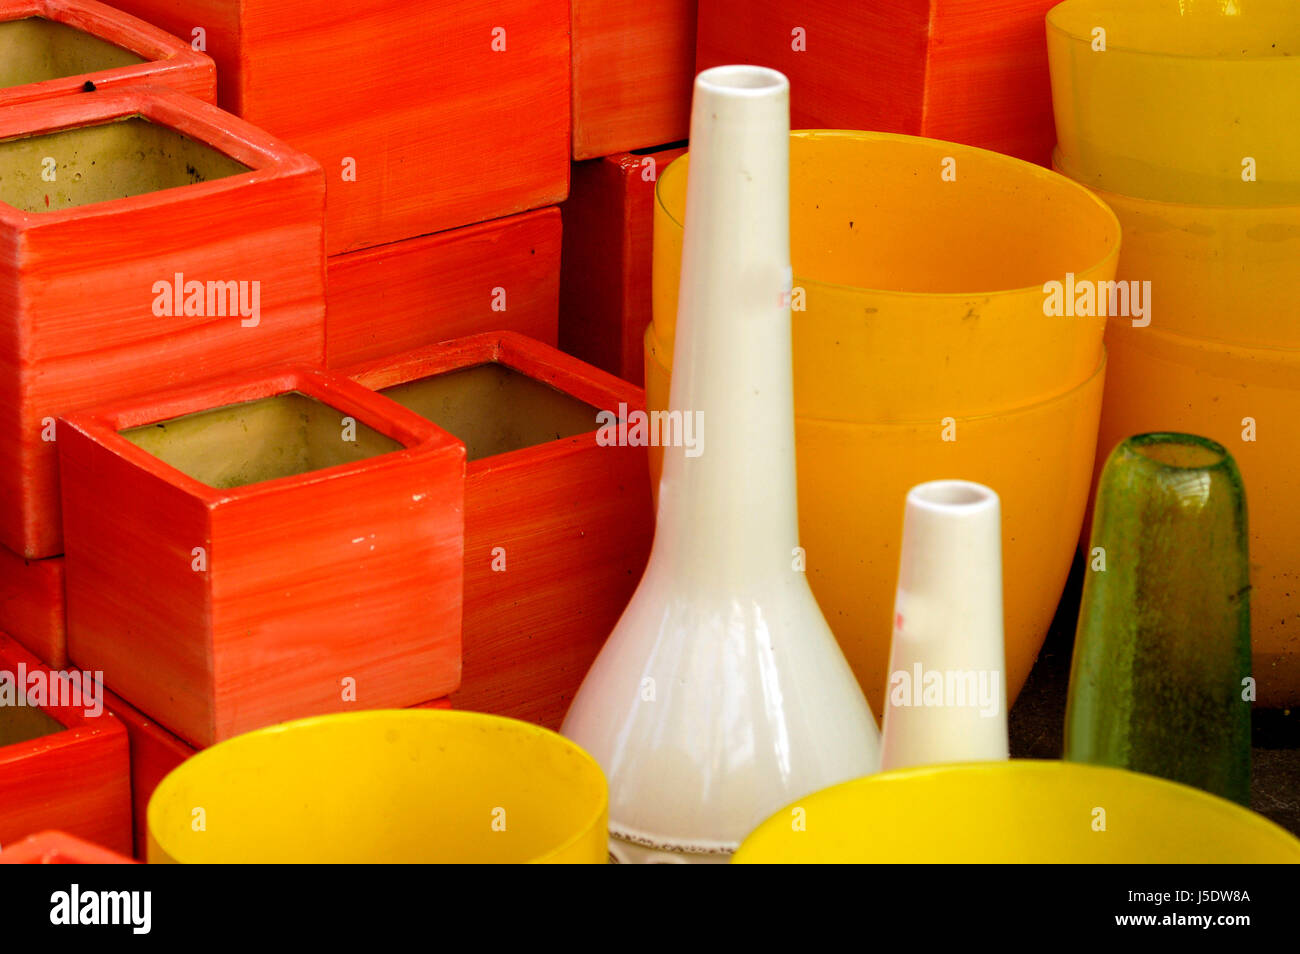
[1247, 399]
[922, 351]
[1018, 812]
[401, 786]
[1183, 93]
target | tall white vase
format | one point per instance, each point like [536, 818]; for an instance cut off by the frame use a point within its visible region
[721, 694]
[946, 699]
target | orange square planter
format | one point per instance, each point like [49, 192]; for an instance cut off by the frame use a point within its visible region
[608, 245]
[175, 243]
[54, 47]
[633, 66]
[155, 752]
[60, 765]
[31, 606]
[425, 118]
[503, 274]
[295, 548]
[59, 848]
[968, 71]
[557, 527]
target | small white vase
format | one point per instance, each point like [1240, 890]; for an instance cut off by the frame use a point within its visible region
[946, 698]
[721, 694]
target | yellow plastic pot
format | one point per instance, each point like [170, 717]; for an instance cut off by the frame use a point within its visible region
[1019, 812]
[854, 477]
[1164, 382]
[405, 786]
[1184, 91]
[923, 301]
[1226, 273]
[917, 295]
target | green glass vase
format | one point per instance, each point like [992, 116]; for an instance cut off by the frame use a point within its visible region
[1159, 680]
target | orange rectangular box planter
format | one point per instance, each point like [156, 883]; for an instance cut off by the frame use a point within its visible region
[608, 245]
[503, 274]
[55, 47]
[155, 752]
[263, 548]
[63, 757]
[32, 607]
[633, 67]
[557, 525]
[59, 848]
[174, 243]
[968, 71]
[425, 118]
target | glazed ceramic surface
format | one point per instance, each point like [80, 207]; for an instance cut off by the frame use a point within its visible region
[1018, 812]
[923, 351]
[421, 787]
[32, 605]
[1183, 92]
[946, 698]
[722, 693]
[1161, 676]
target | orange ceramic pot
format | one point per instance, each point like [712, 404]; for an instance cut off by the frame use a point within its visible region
[921, 352]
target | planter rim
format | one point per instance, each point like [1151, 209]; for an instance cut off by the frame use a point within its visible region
[1282, 361]
[53, 847]
[527, 356]
[1032, 171]
[1108, 196]
[1061, 397]
[1060, 11]
[431, 716]
[90, 16]
[265, 156]
[414, 433]
[1043, 768]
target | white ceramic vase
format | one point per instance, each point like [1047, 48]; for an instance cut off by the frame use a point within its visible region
[721, 694]
[946, 698]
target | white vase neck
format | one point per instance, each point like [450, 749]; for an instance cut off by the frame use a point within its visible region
[731, 507]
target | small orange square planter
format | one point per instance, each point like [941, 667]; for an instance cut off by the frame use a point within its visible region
[59, 848]
[63, 758]
[265, 548]
[633, 65]
[55, 47]
[425, 117]
[608, 242]
[32, 606]
[155, 752]
[173, 243]
[557, 527]
[968, 71]
[503, 274]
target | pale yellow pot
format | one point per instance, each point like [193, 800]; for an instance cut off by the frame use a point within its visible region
[1019, 812]
[1183, 93]
[401, 786]
[1164, 382]
[924, 302]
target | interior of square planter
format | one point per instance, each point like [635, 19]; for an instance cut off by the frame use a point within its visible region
[34, 49]
[24, 723]
[113, 160]
[240, 444]
[495, 409]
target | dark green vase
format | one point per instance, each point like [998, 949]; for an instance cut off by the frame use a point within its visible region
[1162, 652]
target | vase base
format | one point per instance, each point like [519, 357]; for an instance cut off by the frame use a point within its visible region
[629, 847]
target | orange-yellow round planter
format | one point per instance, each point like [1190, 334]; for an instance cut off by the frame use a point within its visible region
[386, 786]
[1018, 812]
[1247, 399]
[922, 351]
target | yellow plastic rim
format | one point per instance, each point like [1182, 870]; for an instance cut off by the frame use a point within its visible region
[384, 786]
